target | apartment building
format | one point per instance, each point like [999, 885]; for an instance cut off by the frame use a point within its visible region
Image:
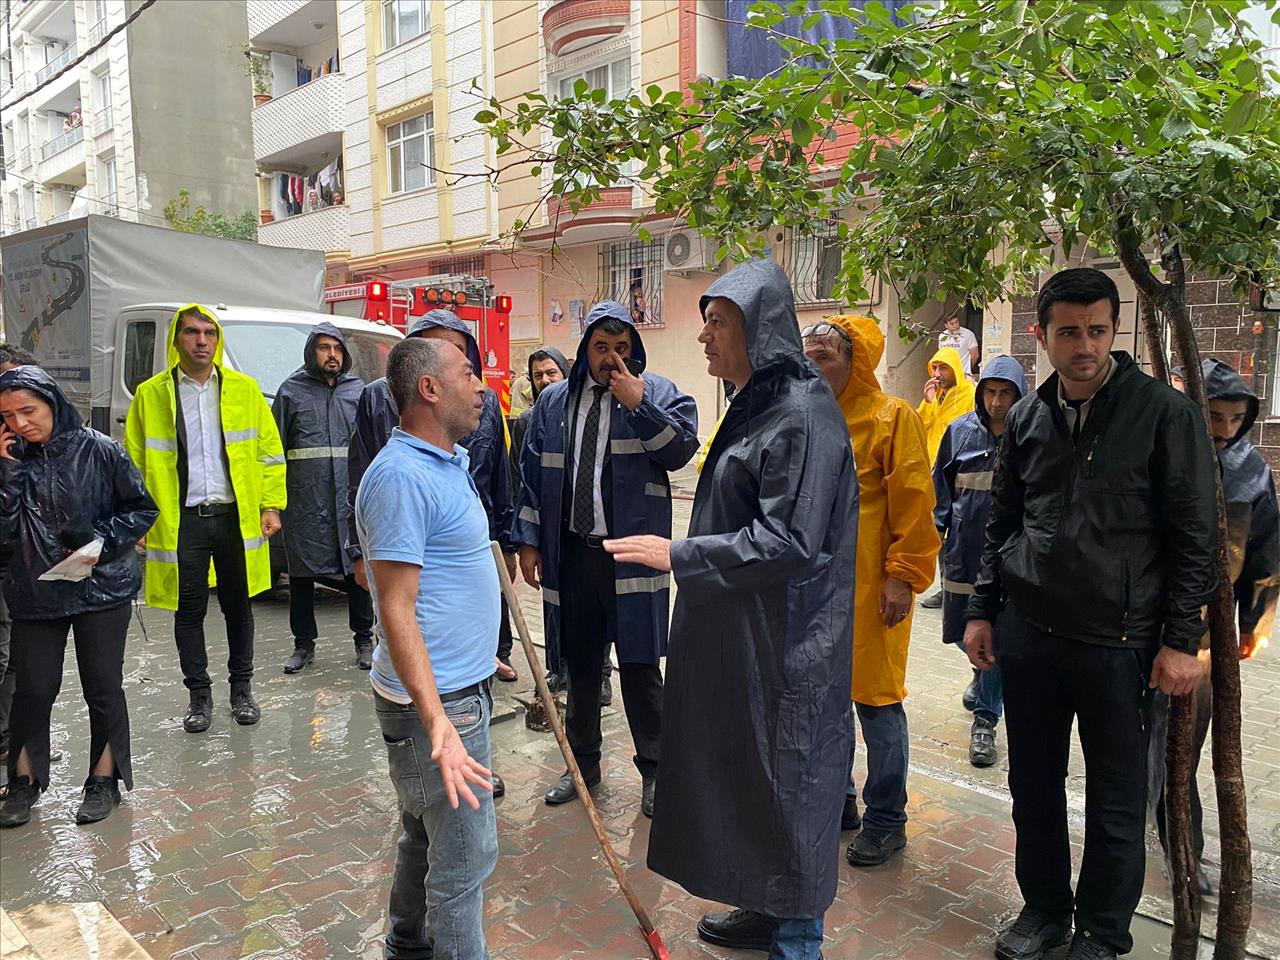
[139, 119]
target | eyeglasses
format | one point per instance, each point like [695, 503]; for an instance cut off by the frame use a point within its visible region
[822, 329]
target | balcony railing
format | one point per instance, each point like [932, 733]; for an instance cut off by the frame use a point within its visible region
[30, 223]
[58, 144]
[24, 157]
[110, 208]
[98, 31]
[59, 217]
[10, 161]
[102, 121]
[56, 64]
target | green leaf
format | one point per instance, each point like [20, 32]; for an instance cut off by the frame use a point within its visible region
[1219, 147]
[1177, 126]
[486, 116]
[1241, 114]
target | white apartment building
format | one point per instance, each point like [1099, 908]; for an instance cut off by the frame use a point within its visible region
[76, 138]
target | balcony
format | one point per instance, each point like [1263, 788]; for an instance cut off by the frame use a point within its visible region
[609, 218]
[98, 31]
[24, 158]
[60, 217]
[30, 223]
[303, 128]
[46, 72]
[572, 25]
[291, 24]
[108, 206]
[326, 229]
[55, 146]
[102, 121]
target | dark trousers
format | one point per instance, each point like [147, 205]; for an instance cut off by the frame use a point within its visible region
[38, 648]
[505, 642]
[1049, 681]
[302, 611]
[1158, 753]
[199, 540]
[8, 678]
[589, 613]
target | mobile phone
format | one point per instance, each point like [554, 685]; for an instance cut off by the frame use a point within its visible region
[635, 366]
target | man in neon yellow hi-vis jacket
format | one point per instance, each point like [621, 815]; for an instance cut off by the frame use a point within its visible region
[204, 440]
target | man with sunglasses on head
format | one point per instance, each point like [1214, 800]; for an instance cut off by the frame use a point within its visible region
[897, 549]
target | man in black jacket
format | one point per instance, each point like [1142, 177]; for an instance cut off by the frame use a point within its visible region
[1100, 555]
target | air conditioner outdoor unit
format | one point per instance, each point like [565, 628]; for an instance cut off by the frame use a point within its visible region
[686, 251]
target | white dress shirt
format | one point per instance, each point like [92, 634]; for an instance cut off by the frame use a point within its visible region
[585, 399]
[207, 480]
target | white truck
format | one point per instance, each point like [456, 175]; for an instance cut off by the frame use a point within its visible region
[93, 298]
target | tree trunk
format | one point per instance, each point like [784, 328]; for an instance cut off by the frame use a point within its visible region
[1154, 338]
[1235, 899]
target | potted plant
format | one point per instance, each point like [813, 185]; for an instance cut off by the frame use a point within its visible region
[266, 215]
[260, 75]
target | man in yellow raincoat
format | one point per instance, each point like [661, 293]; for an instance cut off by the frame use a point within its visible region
[897, 550]
[203, 438]
[948, 395]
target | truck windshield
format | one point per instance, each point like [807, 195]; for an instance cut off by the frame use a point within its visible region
[269, 352]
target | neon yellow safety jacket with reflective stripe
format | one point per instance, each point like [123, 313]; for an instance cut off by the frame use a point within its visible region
[255, 461]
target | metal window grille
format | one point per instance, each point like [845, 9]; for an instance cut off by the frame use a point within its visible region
[470, 265]
[631, 273]
[812, 262]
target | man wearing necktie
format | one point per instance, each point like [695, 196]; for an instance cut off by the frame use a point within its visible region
[595, 464]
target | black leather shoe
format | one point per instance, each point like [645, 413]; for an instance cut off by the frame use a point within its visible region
[850, 819]
[874, 847]
[741, 929]
[555, 683]
[1032, 934]
[1084, 946]
[101, 794]
[244, 709]
[364, 655]
[982, 742]
[932, 602]
[18, 801]
[200, 712]
[499, 788]
[646, 795]
[606, 690]
[970, 696]
[303, 656]
[562, 791]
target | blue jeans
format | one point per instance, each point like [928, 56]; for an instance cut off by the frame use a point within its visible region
[797, 940]
[444, 855]
[990, 704]
[885, 793]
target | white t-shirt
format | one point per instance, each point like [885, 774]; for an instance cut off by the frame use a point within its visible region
[963, 340]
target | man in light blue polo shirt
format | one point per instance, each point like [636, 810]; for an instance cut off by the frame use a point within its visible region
[426, 536]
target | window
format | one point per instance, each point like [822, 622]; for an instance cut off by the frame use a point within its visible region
[631, 273]
[102, 89]
[402, 20]
[139, 352]
[411, 144]
[107, 178]
[613, 78]
[813, 264]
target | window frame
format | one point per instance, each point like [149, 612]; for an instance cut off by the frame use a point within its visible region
[625, 262]
[805, 262]
[132, 356]
[429, 153]
[391, 21]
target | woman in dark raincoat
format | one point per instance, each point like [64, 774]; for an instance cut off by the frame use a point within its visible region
[63, 486]
[756, 729]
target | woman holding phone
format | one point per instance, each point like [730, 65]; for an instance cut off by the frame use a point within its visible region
[65, 487]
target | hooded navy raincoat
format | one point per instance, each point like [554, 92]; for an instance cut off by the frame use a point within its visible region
[315, 419]
[645, 444]
[962, 486]
[486, 446]
[521, 425]
[1253, 523]
[756, 728]
[81, 480]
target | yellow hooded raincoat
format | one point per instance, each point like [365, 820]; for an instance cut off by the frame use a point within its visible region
[952, 406]
[255, 461]
[896, 535]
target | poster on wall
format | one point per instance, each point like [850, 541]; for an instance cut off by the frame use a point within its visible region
[557, 312]
[577, 316]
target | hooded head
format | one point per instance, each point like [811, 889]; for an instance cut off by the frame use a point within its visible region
[1003, 370]
[539, 357]
[440, 320]
[309, 360]
[761, 290]
[1233, 407]
[191, 340]
[949, 357]
[1177, 380]
[607, 315]
[34, 406]
[849, 364]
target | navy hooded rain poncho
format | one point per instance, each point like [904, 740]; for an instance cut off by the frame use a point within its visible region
[315, 420]
[756, 725]
[1253, 524]
[79, 480]
[486, 446]
[659, 436]
[962, 486]
[521, 425]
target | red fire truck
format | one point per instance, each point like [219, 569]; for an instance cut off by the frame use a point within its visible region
[397, 302]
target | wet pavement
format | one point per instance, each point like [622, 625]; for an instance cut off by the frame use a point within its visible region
[276, 840]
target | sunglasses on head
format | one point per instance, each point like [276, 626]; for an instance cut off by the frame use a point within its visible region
[822, 329]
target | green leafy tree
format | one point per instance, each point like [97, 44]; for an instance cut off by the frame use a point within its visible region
[180, 216]
[994, 136]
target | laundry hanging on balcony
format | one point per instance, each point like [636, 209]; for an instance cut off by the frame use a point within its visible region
[308, 73]
[324, 188]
